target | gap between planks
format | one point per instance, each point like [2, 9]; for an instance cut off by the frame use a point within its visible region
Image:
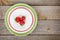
[32, 35]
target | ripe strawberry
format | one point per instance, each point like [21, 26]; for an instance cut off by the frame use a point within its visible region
[17, 19]
[21, 22]
[23, 17]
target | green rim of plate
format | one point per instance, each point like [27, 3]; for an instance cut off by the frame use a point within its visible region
[35, 18]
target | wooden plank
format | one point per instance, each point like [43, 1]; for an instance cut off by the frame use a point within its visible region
[30, 38]
[43, 12]
[32, 2]
[43, 27]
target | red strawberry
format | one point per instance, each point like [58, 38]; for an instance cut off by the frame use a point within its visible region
[21, 22]
[23, 17]
[17, 19]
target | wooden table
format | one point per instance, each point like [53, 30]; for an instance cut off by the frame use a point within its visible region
[48, 27]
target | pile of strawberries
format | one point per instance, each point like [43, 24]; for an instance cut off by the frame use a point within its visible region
[20, 20]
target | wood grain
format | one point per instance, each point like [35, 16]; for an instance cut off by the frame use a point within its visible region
[43, 27]
[43, 12]
[46, 29]
[30, 38]
[35, 2]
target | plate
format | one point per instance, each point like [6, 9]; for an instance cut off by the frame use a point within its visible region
[21, 19]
